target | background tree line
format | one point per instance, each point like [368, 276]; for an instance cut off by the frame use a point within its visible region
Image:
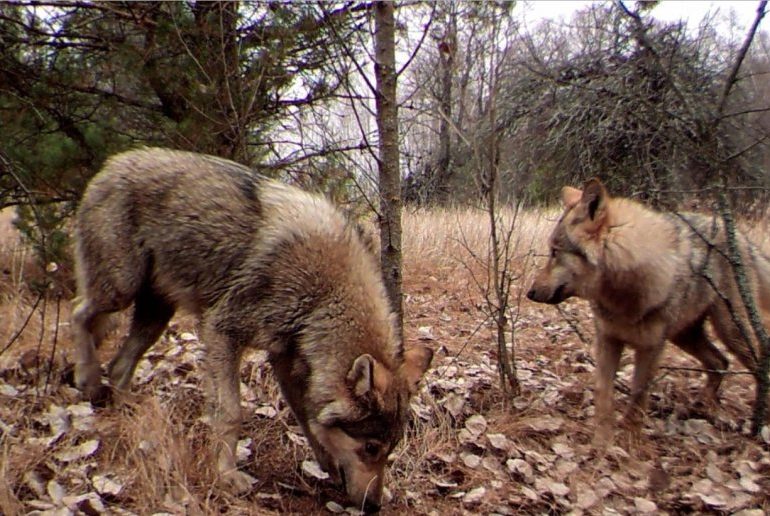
[289, 88]
[281, 86]
[614, 93]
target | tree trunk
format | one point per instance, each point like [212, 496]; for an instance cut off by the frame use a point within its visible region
[446, 47]
[389, 173]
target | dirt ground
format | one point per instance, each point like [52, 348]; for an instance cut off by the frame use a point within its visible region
[470, 447]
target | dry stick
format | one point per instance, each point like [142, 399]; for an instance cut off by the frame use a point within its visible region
[55, 340]
[755, 319]
[701, 370]
[39, 345]
[23, 326]
[739, 271]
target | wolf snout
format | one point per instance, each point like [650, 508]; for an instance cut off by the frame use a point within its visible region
[547, 295]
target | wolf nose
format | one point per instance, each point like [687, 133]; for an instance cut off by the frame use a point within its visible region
[371, 507]
[531, 294]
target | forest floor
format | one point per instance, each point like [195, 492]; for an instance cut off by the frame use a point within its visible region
[469, 449]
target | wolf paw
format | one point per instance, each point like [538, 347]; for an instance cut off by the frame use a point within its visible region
[603, 436]
[88, 378]
[237, 482]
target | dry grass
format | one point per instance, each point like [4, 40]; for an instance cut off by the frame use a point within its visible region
[157, 443]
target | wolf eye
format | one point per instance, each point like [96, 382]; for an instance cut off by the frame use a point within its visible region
[372, 449]
[553, 252]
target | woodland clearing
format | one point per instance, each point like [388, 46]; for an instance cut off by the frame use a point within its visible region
[468, 449]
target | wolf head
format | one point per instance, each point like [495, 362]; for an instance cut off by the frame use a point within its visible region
[575, 246]
[353, 433]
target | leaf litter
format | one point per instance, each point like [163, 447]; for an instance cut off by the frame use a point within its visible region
[469, 449]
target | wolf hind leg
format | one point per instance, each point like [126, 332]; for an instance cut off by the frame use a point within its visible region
[151, 316]
[693, 341]
[731, 335]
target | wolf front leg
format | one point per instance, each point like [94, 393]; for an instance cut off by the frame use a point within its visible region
[88, 320]
[608, 351]
[223, 360]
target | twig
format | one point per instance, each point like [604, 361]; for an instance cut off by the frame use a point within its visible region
[55, 340]
[23, 326]
[700, 370]
[39, 345]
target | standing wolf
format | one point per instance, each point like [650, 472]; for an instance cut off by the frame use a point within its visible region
[650, 277]
[261, 264]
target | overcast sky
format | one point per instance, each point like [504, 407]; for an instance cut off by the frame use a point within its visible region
[670, 10]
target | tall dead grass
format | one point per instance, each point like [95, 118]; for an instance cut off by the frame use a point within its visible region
[457, 240]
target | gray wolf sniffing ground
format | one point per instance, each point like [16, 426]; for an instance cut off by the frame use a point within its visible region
[261, 264]
[649, 277]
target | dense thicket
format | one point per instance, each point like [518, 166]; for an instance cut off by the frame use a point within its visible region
[81, 80]
[613, 93]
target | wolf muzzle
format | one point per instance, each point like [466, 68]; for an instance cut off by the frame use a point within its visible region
[551, 298]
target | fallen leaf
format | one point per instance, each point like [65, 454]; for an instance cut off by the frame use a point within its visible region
[8, 390]
[521, 467]
[81, 451]
[470, 460]
[105, 485]
[563, 450]
[749, 485]
[243, 449]
[605, 486]
[313, 469]
[500, 442]
[551, 486]
[545, 424]
[454, 404]
[443, 484]
[529, 493]
[644, 506]
[714, 500]
[474, 496]
[87, 504]
[266, 411]
[492, 464]
[714, 473]
[476, 425]
[586, 498]
[750, 512]
[55, 491]
[425, 333]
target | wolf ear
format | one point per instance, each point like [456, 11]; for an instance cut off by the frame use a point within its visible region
[416, 362]
[570, 196]
[361, 375]
[594, 197]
